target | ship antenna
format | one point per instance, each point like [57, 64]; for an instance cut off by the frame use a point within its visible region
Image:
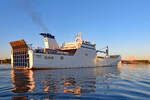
[107, 51]
[79, 37]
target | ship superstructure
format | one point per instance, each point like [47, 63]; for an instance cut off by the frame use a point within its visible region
[79, 53]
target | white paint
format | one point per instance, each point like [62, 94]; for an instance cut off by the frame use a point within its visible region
[30, 52]
[12, 59]
[80, 59]
[85, 55]
[50, 43]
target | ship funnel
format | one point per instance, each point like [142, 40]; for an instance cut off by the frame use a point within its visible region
[49, 41]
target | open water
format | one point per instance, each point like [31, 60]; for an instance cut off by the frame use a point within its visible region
[122, 82]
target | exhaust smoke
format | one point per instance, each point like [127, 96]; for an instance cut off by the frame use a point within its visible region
[28, 6]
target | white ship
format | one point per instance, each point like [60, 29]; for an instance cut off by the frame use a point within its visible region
[79, 53]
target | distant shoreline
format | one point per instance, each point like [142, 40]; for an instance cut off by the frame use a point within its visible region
[5, 61]
[5, 64]
[135, 61]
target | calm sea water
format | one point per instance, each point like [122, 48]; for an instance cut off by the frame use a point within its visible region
[123, 82]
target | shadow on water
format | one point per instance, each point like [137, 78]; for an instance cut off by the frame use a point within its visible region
[59, 83]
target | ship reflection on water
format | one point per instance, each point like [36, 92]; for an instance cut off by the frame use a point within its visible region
[60, 82]
[23, 81]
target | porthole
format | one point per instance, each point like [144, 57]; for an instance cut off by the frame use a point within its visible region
[61, 57]
[86, 54]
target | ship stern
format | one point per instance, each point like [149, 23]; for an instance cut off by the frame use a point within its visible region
[19, 55]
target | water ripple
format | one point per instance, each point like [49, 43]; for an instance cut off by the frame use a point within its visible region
[124, 82]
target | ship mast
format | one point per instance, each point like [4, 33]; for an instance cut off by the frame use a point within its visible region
[78, 37]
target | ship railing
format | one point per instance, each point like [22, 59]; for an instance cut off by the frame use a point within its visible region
[50, 51]
[110, 56]
[114, 56]
[29, 46]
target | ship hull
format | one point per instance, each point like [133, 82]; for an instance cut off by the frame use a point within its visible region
[52, 61]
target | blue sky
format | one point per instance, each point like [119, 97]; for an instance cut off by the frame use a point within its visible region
[124, 25]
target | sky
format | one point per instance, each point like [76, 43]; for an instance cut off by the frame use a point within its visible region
[124, 25]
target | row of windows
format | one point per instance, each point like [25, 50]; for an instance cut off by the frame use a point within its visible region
[51, 57]
[88, 47]
[88, 44]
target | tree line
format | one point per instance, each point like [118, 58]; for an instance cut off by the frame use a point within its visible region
[5, 61]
